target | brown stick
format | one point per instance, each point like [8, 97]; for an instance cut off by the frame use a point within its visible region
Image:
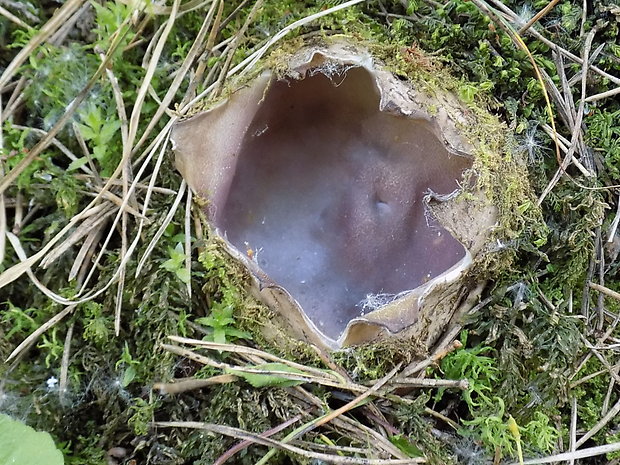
[243, 444]
[538, 15]
[605, 290]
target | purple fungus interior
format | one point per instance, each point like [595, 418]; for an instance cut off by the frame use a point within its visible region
[328, 195]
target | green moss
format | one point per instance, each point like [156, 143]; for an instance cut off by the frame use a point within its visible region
[539, 253]
[227, 281]
[374, 360]
[410, 417]
[590, 396]
[499, 172]
[255, 410]
[487, 419]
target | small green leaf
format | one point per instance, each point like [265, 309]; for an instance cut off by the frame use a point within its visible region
[183, 274]
[22, 445]
[268, 380]
[86, 132]
[93, 118]
[75, 164]
[99, 152]
[108, 130]
[128, 376]
[238, 334]
[405, 446]
[468, 93]
[219, 335]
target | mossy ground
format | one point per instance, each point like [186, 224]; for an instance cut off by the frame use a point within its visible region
[522, 350]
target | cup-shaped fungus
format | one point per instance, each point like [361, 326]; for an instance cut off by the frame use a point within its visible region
[319, 181]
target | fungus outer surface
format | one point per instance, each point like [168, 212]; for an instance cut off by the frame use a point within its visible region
[327, 195]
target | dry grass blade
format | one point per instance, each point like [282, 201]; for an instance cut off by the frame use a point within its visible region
[39, 331]
[63, 31]
[611, 234]
[188, 239]
[247, 64]
[3, 223]
[602, 95]
[417, 367]
[120, 103]
[119, 301]
[8, 179]
[17, 93]
[432, 383]
[180, 386]
[329, 446]
[152, 147]
[564, 144]
[123, 254]
[604, 290]
[134, 120]
[85, 251]
[238, 349]
[580, 454]
[23, 9]
[60, 17]
[26, 262]
[587, 378]
[258, 439]
[355, 402]
[180, 76]
[153, 189]
[243, 444]
[612, 414]
[233, 14]
[573, 427]
[86, 153]
[70, 155]
[16, 271]
[80, 232]
[538, 16]
[610, 391]
[567, 109]
[162, 229]
[64, 364]
[579, 74]
[603, 360]
[598, 245]
[11, 17]
[119, 202]
[323, 378]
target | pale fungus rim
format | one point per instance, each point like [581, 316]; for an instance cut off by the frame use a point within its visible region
[400, 316]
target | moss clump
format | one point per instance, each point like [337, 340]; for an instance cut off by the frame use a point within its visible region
[410, 417]
[227, 282]
[529, 321]
[374, 360]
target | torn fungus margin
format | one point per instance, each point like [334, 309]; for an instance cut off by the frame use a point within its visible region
[336, 187]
